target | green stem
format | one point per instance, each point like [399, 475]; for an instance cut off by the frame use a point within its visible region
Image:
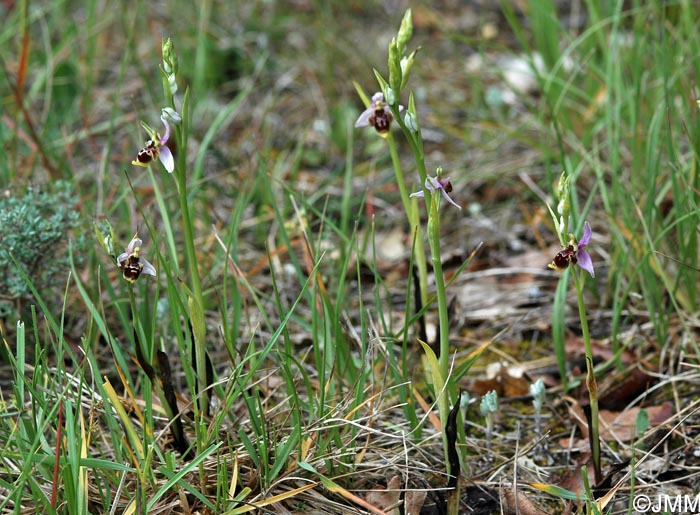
[590, 377]
[441, 294]
[143, 354]
[147, 352]
[440, 290]
[181, 177]
[413, 215]
[415, 141]
[189, 237]
[433, 205]
[197, 297]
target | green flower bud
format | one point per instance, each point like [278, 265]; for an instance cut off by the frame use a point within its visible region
[405, 31]
[172, 84]
[406, 64]
[564, 205]
[411, 121]
[170, 115]
[390, 96]
[169, 57]
[537, 391]
[106, 237]
[394, 67]
[563, 189]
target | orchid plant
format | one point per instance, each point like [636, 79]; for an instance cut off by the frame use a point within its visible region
[381, 111]
[132, 264]
[176, 126]
[571, 257]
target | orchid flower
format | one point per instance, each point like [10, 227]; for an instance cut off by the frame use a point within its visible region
[131, 264]
[378, 115]
[438, 184]
[156, 146]
[575, 254]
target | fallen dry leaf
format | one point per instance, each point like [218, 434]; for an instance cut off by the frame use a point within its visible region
[601, 350]
[518, 503]
[622, 425]
[507, 381]
[617, 425]
[386, 499]
[413, 501]
[618, 389]
[573, 480]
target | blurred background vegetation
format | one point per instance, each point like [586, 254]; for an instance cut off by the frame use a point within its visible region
[508, 93]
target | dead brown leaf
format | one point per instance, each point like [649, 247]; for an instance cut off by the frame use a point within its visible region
[414, 500]
[622, 425]
[508, 382]
[620, 388]
[617, 425]
[573, 480]
[386, 499]
[518, 503]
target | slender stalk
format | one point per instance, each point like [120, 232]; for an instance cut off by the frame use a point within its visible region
[441, 291]
[189, 237]
[433, 205]
[192, 262]
[181, 177]
[415, 141]
[144, 356]
[590, 377]
[441, 294]
[413, 215]
[134, 317]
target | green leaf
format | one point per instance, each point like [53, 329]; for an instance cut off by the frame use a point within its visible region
[642, 423]
[560, 492]
[361, 92]
[307, 466]
[383, 84]
[176, 478]
[437, 380]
